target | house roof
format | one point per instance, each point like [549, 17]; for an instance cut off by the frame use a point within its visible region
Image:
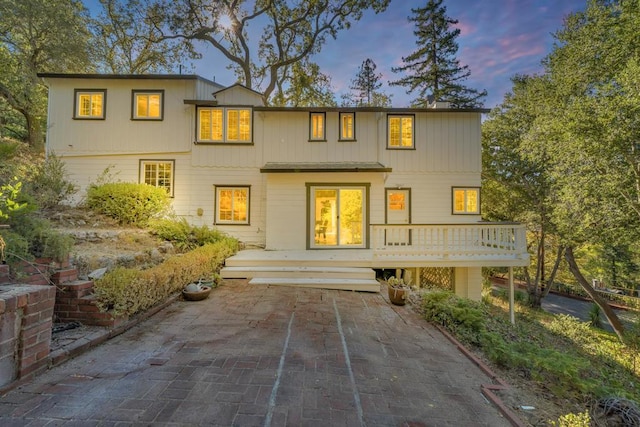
[96, 76]
[237, 85]
[399, 110]
[277, 167]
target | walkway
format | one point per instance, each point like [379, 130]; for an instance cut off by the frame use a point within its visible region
[264, 356]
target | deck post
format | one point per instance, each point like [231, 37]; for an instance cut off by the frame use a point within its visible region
[512, 315]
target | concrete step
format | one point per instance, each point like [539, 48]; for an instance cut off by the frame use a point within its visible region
[297, 272]
[364, 285]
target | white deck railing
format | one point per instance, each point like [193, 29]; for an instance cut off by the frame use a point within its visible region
[447, 240]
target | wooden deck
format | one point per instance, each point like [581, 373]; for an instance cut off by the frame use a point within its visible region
[348, 269]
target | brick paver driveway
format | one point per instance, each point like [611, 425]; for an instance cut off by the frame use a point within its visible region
[264, 356]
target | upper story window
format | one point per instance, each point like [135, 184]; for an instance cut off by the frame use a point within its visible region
[466, 201]
[147, 104]
[218, 124]
[347, 126]
[317, 128]
[158, 173]
[90, 104]
[401, 131]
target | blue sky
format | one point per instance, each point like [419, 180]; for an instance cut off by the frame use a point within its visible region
[499, 38]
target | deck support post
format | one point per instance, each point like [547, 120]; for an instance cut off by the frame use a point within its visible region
[512, 315]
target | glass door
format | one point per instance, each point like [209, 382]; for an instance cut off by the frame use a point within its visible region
[337, 216]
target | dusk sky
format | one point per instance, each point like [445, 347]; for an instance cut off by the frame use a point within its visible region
[499, 38]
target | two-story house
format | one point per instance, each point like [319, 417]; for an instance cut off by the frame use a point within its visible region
[326, 193]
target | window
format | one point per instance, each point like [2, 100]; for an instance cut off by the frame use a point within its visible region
[158, 173]
[90, 104]
[147, 105]
[401, 132]
[317, 127]
[347, 126]
[224, 125]
[232, 205]
[466, 200]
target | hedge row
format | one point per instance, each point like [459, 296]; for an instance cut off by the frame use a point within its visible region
[126, 291]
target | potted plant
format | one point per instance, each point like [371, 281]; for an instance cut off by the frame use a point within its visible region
[200, 290]
[398, 290]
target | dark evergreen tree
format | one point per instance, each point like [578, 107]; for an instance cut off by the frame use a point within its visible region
[364, 88]
[433, 70]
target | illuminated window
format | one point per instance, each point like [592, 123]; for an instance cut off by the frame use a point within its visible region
[466, 201]
[401, 131]
[147, 105]
[317, 127]
[90, 104]
[347, 126]
[224, 124]
[232, 205]
[158, 173]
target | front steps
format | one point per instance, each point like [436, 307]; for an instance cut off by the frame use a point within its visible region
[308, 273]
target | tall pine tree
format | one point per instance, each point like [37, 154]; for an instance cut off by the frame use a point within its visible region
[433, 70]
[364, 88]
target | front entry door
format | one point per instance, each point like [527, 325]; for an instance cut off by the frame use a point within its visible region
[398, 212]
[337, 217]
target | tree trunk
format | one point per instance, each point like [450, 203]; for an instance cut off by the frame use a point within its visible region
[606, 308]
[34, 132]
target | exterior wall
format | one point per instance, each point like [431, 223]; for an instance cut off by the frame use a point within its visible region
[117, 133]
[446, 154]
[468, 282]
[287, 205]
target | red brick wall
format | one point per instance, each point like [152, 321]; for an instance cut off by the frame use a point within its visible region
[26, 313]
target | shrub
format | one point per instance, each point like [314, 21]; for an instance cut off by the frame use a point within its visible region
[127, 291]
[128, 203]
[49, 185]
[460, 315]
[41, 239]
[582, 419]
[185, 237]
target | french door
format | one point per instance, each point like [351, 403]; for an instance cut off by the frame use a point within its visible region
[337, 216]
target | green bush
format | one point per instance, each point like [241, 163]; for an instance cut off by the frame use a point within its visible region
[41, 239]
[125, 291]
[460, 315]
[49, 185]
[129, 203]
[184, 237]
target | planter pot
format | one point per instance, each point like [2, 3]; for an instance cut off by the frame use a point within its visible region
[398, 296]
[198, 294]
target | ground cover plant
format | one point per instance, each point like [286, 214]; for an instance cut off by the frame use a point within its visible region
[563, 358]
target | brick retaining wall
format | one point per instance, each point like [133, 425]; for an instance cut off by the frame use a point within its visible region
[26, 313]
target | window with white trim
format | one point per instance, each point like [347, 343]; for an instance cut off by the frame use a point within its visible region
[466, 201]
[90, 104]
[401, 130]
[224, 124]
[317, 126]
[159, 173]
[147, 104]
[347, 126]
[232, 205]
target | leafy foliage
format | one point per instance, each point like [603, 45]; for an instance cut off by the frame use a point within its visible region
[128, 291]
[290, 32]
[128, 203]
[49, 184]
[38, 36]
[558, 353]
[183, 235]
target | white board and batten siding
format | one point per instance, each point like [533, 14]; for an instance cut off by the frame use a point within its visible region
[288, 207]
